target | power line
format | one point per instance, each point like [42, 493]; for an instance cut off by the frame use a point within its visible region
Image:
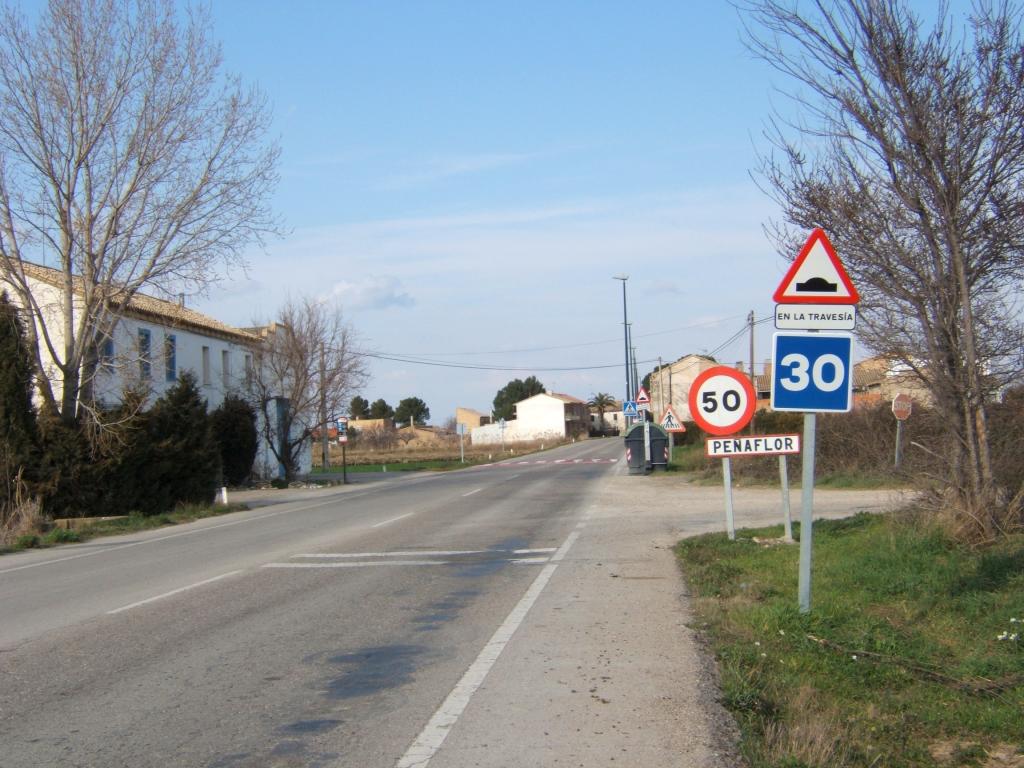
[538, 369]
[563, 346]
[439, 364]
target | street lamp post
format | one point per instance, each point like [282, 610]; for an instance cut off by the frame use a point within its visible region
[625, 334]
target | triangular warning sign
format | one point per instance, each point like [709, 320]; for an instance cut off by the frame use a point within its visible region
[670, 422]
[817, 276]
[642, 398]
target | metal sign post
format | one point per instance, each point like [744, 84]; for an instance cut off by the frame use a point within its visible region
[807, 512]
[342, 427]
[730, 527]
[647, 442]
[787, 516]
[722, 402]
[812, 372]
[902, 405]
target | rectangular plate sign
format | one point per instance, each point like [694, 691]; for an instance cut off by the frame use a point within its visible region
[752, 445]
[815, 317]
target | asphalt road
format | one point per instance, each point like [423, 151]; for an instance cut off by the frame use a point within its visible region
[345, 628]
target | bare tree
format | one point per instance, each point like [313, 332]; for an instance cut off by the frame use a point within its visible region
[127, 160]
[906, 148]
[304, 375]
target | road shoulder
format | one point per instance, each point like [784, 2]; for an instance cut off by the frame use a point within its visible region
[606, 671]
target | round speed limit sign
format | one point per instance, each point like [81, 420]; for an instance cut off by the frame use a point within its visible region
[722, 400]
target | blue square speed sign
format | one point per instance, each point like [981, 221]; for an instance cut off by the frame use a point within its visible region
[812, 372]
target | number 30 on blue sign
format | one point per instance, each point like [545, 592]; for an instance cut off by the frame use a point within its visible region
[812, 372]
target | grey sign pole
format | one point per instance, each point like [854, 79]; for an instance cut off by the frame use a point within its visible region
[807, 511]
[727, 478]
[899, 441]
[647, 442]
[787, 512]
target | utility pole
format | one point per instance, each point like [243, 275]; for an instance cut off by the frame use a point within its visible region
[661, 388]
[636, 376]
[325, 457]
[630, 377]
[753, 377]
[625, 332]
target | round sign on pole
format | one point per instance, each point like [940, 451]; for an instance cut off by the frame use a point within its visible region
[722, 400]
[902, 405]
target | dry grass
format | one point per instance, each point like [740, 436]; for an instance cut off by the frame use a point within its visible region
[809, 735]
[21, 516]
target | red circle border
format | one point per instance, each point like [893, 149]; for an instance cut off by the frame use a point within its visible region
[745, 417]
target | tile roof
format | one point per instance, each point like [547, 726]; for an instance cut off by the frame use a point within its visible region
[564, 398]
[172, 312]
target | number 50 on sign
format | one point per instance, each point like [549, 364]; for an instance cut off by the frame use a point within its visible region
[812, 372]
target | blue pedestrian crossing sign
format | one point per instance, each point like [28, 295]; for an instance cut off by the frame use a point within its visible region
[812, 372]
[629, 408]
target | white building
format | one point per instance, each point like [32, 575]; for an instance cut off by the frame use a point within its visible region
[671, 384]
[152, 344]
[547, 416]
[611, 422]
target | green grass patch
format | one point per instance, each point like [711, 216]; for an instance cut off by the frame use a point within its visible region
[688, 458]
[912, 655]
[435, 465]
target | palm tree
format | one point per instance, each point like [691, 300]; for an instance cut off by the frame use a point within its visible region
[601, 402]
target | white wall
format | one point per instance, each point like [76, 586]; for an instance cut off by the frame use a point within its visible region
[225, 370]
[613, 420]
[541, 417]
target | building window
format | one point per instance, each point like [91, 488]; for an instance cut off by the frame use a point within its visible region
[145, 368]
[206, 366]
[170, 357]
[107, 352]
[248, 371]
[225, 368]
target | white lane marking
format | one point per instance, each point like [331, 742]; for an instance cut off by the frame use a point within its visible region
[192, 532]
[437, 729]
[373, 564]
[393, 520]
[418, 553]
[528, 560]
[533, 551]
[172, 592]
[472, 492]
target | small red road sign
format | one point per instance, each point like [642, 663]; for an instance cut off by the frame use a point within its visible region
[671, 422]
[817, 276]
[902, 405]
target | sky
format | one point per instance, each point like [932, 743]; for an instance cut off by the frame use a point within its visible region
[466, 178]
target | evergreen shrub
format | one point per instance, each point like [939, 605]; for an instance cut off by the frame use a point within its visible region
[234, 429]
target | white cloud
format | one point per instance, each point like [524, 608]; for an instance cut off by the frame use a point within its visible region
[372, 292]
[440, 168]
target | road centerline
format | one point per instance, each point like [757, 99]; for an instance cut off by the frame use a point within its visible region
[171, 593]
[393, 520]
